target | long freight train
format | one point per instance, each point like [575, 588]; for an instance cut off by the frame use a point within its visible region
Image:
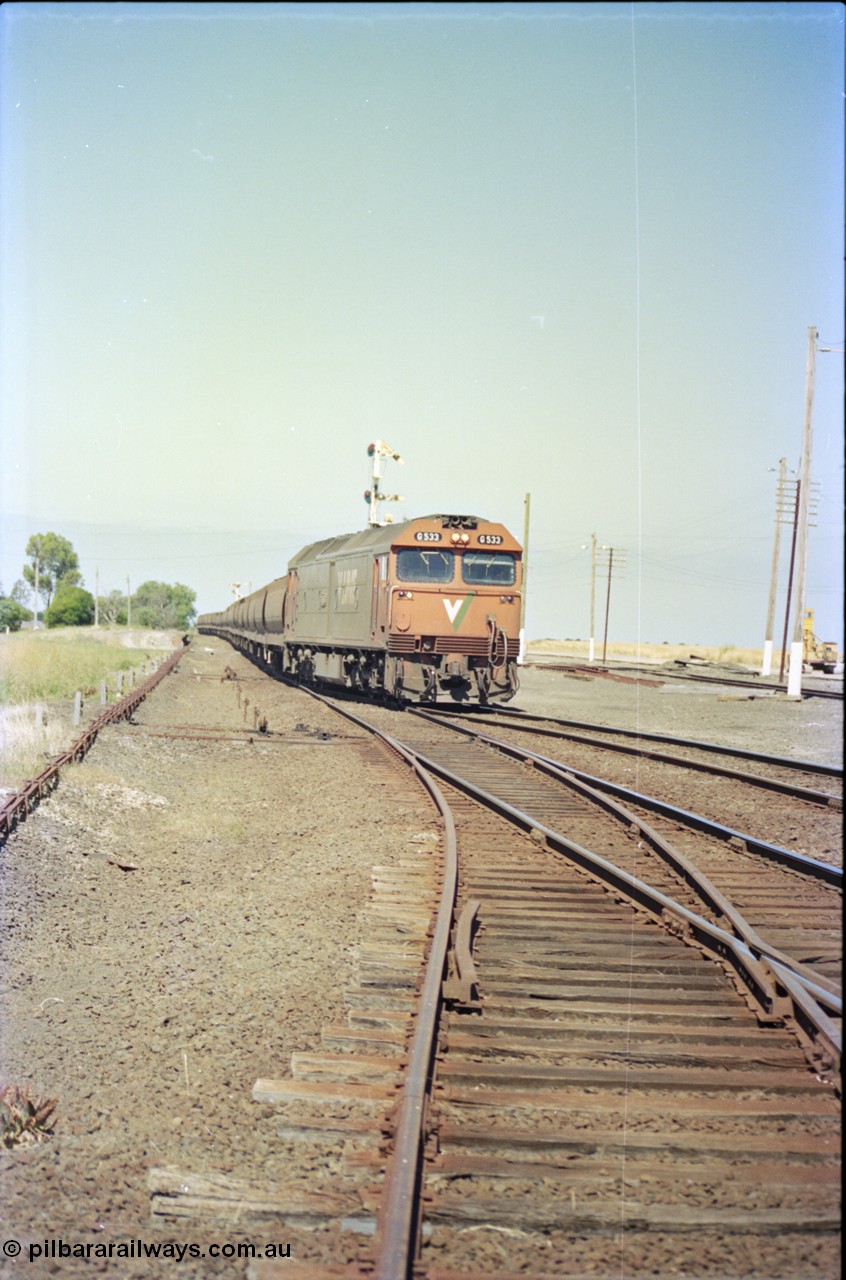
[427, 607]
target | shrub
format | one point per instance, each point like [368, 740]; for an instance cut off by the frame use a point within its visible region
[11, 614]
[70, 607]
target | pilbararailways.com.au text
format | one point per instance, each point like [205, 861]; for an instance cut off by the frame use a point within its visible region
[166, 1249]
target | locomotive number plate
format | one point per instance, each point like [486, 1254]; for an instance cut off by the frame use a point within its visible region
[490, 539]
[424, 535]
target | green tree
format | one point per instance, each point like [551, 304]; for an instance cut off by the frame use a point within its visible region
[20, 592]
[11, 614]
[112, 608]
[58, 564]
[160, 604]
[70, 607]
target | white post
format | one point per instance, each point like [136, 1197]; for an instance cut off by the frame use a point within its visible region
[592, 595]
[767, 664]
[794, 672]
[521, 653]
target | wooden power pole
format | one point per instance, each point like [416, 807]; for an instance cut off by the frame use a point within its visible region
[521, 654]
[794, 673]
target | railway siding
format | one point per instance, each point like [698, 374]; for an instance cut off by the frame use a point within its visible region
[180, 916]
[603, 1090]
[612, 1099]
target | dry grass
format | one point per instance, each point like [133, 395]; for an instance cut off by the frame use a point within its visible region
[47, 668]
[26, 746]
[655, 653]
[54, 664]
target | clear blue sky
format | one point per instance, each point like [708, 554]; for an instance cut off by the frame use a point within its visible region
[571, 250]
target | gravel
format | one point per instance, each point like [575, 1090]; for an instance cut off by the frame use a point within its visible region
[180, 916]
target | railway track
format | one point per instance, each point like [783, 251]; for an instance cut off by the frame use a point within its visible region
[647, 675]
[773, 772]
[621, 1076]
[570, 1050]
[775, 799]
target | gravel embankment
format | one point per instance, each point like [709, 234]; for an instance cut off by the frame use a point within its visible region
[180, 916]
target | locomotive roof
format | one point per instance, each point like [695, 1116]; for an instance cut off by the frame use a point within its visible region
[374, 538]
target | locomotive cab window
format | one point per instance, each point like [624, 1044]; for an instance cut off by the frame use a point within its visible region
[496, 568]
[417, 565]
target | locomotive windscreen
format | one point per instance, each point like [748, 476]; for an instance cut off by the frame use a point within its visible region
[414, 565]
[495, 567]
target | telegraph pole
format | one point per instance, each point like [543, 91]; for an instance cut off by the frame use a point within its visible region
[621, 564]
[128, 604]
[96, 597]
[607, 602]
[794, 674]
[795, 523]
[37, 603]
[521, 655]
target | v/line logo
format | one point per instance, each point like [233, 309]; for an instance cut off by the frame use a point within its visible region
[456, 609]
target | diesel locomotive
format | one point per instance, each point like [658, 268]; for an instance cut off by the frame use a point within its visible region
[422, 609]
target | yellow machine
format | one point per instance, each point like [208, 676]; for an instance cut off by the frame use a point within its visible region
[821, 655]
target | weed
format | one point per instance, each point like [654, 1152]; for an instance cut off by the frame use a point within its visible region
[54, 664]
[23, 1118]
[49, 667]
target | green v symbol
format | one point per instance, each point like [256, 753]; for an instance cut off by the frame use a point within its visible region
[456, 609]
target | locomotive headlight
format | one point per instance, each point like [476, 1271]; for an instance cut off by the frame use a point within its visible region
[405, 595]
[462, 538]
[506, 599]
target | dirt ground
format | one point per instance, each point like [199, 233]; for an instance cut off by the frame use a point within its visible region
[180, 916]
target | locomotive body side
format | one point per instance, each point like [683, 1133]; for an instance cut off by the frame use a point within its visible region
[426, 607]
[327, 614]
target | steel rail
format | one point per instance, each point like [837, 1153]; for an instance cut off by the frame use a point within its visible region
[21, 804]
[822, 987]
[792, 996]
[823, 990]
[808, 691]
[826, 992]
[741, 753]
[703, 766]
[398, 1215]
[812, 867]
[397, 1220]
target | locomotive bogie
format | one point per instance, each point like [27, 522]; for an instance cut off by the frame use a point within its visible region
[429, 607]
